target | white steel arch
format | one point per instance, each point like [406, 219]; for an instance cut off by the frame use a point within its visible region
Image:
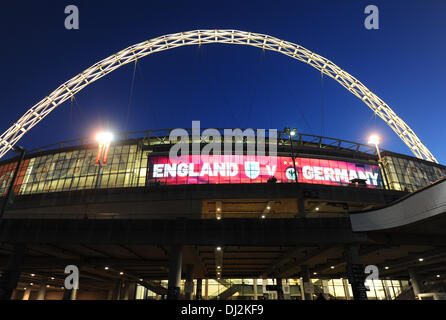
[67, 90]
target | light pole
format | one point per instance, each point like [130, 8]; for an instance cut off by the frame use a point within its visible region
[104, 139]
[374, 139]
[292, 133]
[11, 185]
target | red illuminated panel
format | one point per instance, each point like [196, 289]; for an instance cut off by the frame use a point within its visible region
[258, 169]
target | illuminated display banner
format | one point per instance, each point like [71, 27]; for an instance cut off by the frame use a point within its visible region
[258, 169]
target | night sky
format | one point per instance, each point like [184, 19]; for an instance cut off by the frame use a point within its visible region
[224, 85]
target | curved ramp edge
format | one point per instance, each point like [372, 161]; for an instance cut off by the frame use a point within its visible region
[425, 203]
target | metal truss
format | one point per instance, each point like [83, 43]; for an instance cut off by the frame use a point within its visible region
[198, 37]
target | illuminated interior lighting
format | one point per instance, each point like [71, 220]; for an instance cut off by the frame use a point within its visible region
[421, 259]
[121, 273]
[263, 216]
[33, 275]
[106, 268]
[332, 267]
[218, 248]
[387, 268]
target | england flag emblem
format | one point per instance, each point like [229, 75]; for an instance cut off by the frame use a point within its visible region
[252, 169]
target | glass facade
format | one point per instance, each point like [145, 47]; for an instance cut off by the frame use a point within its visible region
[335, 288]
[410, 175]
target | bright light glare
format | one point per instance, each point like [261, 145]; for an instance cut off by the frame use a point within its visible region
[374, 139]
[104, 137]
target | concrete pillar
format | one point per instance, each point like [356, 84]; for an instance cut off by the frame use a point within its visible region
[286, 289]
[346, 290]
[26, 294]
[415, 281]
[255, 289]
[355, 272]
[264, 290]
[387, 290]
[189, 285]
[66, 294]
[199, 295]
[129, 291]
[42, 290]
[125, 291]
[206, 289]
[132, 291]
[11, 272]
[74, 293]
[306, 280]
[14, 294]
[279, 289]
[176, 259]
[325, 291]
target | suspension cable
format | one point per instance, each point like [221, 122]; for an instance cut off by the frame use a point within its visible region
[130, 96]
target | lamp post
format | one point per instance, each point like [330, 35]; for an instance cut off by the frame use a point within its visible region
[11, 185]
[374, 139]
[104, 139]
[292, 133]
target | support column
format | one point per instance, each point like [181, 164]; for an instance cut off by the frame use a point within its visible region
[176, 259]
[189, 285]
[126, 290]
[346, 290]
[73, 295]
[301, 207]
[70, 294]
[302, 289]
[306, 281]
[387, 290]
[26, 294]
[279, 289]
[11, 272]
[415, 281]
[199, 295]
[206, 289]
[42, 290]
[117, 290]
[254, 282]
[355, 272]
[14, 295]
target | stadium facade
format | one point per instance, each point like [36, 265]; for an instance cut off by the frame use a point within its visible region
[232, 227]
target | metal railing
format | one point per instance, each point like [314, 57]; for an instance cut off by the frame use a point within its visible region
[161, 137]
